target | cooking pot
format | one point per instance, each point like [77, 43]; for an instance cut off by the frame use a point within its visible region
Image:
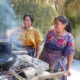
[7, 59]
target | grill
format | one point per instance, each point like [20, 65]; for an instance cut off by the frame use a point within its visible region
[7, 59]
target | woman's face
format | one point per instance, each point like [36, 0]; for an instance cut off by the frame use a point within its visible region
[59, 26]
[27, 22]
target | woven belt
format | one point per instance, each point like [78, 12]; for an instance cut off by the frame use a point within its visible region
[27, 47]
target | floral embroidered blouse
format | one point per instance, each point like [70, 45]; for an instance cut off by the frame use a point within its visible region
[61, 42]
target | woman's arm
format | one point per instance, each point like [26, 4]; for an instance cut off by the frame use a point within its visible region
[42, 52]
[37, 50]
[12, 31]
[9, 32]
[71, 52]
[38, 42]
[69, 61]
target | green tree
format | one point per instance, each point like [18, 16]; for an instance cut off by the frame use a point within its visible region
[43, 14]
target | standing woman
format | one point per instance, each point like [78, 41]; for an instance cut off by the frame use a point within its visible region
[29, 36]
[59, 47]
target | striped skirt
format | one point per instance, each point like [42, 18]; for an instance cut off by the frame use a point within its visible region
[56, 60]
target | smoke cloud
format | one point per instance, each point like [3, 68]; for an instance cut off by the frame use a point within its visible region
[8, 18]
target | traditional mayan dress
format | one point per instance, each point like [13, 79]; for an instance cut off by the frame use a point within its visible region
[30, 37]
[27, 38]
[57, 46]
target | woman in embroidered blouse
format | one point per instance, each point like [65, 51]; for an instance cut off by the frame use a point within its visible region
[59, 47]
[29, 36]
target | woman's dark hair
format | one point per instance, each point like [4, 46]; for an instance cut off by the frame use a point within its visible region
[64, 20]
[30, 16]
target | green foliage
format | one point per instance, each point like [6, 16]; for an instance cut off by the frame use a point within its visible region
[73, 22]
[43, 14]
[72, 11]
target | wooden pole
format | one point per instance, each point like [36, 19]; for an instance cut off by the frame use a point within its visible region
[16, 75]
[50, 75]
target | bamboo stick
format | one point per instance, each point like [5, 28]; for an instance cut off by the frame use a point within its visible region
[50, 75]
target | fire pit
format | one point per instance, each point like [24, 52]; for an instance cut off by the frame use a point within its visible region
[24, 67]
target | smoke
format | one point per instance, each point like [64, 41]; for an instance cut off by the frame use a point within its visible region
[8, 18]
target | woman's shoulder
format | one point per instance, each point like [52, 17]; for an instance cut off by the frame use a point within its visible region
[51, 31]
[36, 31]
[70, 35]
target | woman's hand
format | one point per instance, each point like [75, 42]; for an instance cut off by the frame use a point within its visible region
[8, 33]
[36, 56]
[69, 73]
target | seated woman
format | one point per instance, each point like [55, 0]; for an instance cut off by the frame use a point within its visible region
[27, 35]
[59, 47]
